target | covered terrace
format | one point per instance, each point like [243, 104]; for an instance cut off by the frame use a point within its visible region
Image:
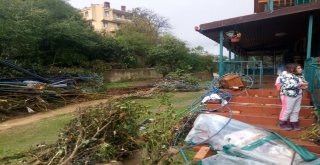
[276, 37]
[269, 40]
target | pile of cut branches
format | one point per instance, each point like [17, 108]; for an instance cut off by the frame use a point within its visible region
[33, 92]
[169, 85]
[21, 98]
[99, 134]
[312, 133]
[179, 81]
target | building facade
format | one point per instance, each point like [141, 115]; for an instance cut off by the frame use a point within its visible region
[279, 32]
[105, 19]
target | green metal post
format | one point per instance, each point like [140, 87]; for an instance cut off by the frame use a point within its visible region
[261, 73]
[309, 36]
[230, 53]
[270, 4]
[221, 55]
[240, 72]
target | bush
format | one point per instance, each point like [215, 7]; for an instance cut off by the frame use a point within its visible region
[182, 76]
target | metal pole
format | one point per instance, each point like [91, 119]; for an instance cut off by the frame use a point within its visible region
[229, 53]
[270, 4]
[274, 62]
[26, 72]
[261, 73]
[221, 55]
[309, 36]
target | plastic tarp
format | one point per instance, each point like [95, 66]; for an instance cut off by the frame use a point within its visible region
[245, 144]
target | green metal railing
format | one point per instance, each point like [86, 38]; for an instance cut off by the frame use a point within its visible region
[253, 69]
[280, 4]
[298, 2]
[312, 75]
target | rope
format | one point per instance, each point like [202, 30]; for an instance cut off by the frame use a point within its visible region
[195, 109]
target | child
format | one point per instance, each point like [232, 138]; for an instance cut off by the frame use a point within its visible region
[291, 96]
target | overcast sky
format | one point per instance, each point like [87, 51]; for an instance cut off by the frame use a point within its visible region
[184, 15]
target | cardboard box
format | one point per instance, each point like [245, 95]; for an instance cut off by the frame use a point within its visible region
[231, 81]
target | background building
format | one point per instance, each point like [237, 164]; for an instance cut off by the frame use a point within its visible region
[105, 19]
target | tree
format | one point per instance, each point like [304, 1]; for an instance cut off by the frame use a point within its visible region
[199, 50]
[169, 55]
[201, 60]
[38, 33]
[159, 23]
[140, 35]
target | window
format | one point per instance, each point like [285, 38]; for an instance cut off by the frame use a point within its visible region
[105, 24]
[86, 14]
[106, 13]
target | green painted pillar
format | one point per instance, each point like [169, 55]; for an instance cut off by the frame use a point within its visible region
[230, 53]
[309, 36]
[221, 55]
[270, 5]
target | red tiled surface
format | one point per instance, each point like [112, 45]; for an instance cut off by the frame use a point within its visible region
[261, 107]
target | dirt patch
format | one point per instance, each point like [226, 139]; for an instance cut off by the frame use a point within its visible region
[114, 94]
[42, 115]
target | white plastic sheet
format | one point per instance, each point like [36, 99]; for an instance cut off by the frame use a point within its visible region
[239, 135]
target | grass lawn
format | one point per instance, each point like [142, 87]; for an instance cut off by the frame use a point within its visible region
[180, 100]
[20, 139]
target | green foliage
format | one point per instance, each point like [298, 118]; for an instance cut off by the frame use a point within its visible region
[179, 81]
[47, 130]
[182, 76]
[153, 21]
[169, 55]
[201, 60]
[38, 33]
[159, 134]
[98, 134]
[106, 151]
[139, 36]
[135, 45]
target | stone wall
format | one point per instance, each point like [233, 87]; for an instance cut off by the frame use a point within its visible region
[118, 75]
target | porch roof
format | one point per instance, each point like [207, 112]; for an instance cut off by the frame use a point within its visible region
[259, 30]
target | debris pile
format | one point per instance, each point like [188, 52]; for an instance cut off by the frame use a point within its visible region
[215, 139]
[35, 93]
[100, 134]
[170, 85]
[178, 81]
